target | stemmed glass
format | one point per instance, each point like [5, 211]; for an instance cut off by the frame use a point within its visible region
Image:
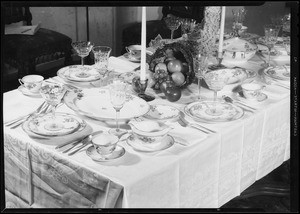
[53, 93]
[215, 82]
[200, 68]
[172, 23]
[238, 19]
[270, 39]
[117, 91]
[82, 48]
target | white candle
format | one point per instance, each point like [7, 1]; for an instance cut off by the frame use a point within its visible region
[221, 33]
[143, 46]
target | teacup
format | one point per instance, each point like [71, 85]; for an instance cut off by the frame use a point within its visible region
[252, 91]
[32, 82]
[133, 53]
[105, 143]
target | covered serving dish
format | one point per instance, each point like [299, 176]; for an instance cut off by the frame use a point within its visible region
[238, 50]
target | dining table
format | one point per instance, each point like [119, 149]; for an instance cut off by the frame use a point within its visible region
[199, 170]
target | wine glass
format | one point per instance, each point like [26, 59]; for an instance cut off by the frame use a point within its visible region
[216, 82]
[200, 68]
[53, 93]
[270, 39]
[82, 48]
[172, 23]
[117, 90]
[238, 19]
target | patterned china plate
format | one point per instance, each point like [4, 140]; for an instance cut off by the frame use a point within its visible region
[198, 111]
[162, 113]
[235, 74]
[78, 73]
[38, 125]
[117, 153]
[26, 92]
[144, 146]
[278, 72]
[95, 103]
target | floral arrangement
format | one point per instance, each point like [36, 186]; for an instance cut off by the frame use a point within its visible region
[202, 39]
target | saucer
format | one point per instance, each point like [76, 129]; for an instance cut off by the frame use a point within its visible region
[117, 153]
[132, 58]
[262, 97]
[142, 146]
[26, 92]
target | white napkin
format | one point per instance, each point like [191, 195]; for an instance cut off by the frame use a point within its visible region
[120, 65]
[11, 105]
[25, 30]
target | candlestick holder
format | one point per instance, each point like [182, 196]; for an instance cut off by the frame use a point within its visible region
[219, 65]
[140, 86]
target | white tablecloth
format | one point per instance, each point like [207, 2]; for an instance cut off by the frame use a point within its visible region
[209, 172]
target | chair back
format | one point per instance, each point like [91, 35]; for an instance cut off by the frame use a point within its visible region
[13, 14]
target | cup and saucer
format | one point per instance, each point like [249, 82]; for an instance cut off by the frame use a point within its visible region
[105, 148]
[252, 92]
[30, 85]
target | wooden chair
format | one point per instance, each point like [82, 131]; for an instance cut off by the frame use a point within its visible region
[25, 52]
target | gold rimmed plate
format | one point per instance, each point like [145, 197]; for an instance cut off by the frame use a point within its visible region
[95, 156]
[79, 73]
[199, 111]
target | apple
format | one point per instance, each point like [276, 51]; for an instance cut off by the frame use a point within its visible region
[168, 59]
[178, 78]
[173, 93]
[161, 66]
[174, 65]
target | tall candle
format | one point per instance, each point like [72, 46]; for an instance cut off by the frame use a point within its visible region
[221, 33]
[143, 46]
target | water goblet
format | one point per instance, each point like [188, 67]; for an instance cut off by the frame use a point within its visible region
[83, 49]
[53, 93]
[215, 81]
[270, 39]
[117, 90]
[200, 68]
[172, 23]
[238, 19]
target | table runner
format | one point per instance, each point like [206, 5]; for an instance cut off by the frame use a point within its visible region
[206, 174]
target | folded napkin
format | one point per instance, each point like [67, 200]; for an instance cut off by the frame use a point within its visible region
[121, 65]
[23, 30]
[83, 131]
[11, 105]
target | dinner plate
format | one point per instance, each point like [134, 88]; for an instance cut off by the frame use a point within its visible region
[162, 113]
[278, 72]
[198, 111]
[144, 146]
[77, 73]
[40, 124]
[235, 74]
[82, 125]
[117, 153]
[95, 103]
[278, 53]
[26, 92]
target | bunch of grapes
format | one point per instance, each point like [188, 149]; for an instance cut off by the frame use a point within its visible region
[159, 77]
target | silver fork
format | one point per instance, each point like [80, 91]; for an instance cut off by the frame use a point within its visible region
[45, 110]
[182, 121]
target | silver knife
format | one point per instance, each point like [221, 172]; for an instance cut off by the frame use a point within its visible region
[85, 141]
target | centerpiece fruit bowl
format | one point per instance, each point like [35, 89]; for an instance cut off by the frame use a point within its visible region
[172, 62]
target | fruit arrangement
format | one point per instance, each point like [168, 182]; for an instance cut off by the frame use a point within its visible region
[172, 62]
